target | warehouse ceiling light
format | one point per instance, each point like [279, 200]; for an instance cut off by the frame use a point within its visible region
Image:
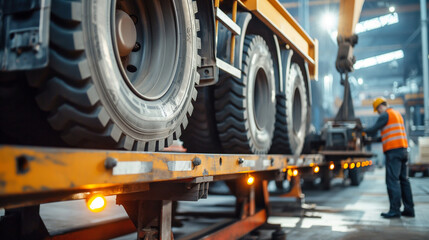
[383, 58]
[370, 24]
[328, 21]
[377, 22]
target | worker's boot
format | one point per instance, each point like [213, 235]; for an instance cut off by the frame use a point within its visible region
[391, 215]
[408, 213]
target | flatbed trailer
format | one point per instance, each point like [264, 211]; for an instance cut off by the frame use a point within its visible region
[338, 164]
[138, 106]
[145, 184]
[418, 167]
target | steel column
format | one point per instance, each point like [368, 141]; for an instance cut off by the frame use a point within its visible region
[304, 14]
[425, 77]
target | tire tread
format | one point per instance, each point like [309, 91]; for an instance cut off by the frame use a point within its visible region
[69, 95]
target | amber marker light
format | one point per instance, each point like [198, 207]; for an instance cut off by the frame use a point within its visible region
[331, 166]
[250, 180]
[295, 172]
[358, 164]
[346, 165]
[316, 169]
[96, 203]
[352, 165]
[370, 162]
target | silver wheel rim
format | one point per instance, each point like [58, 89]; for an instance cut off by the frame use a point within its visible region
[150, 67]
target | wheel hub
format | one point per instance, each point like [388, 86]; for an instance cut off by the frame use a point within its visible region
[126, 34]
[147, 43]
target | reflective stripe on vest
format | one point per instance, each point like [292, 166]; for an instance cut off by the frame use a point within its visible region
[393, 135]
[391, 126]
[394, 138]
[393, 132]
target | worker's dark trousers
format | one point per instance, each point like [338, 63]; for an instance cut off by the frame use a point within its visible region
[398, 185]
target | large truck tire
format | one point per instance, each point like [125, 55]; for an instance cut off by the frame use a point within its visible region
[356, 176]
[121, 74]
[326, 178]
[201, 135]
[291, 115]
[21, 121]
[245, 107]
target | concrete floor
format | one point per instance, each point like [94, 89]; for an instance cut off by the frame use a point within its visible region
[344, 212]
[354, 212]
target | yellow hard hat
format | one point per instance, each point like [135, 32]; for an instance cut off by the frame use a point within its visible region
[377, 102]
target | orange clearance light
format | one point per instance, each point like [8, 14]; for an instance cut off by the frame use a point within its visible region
[370, 162]
[332, 166]
[295, 172]
[316, 169]
[289, 172]
[311, 164]
[250, 180]
[96, 203]
[358, 164]
[346, 165]
[352, 165]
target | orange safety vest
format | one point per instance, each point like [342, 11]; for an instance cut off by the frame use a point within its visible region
[393, 134]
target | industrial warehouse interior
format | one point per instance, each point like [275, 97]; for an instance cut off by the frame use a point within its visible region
[214, 119]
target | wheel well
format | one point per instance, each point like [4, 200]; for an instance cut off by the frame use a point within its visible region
[206, 19]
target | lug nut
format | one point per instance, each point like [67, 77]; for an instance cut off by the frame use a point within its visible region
[136, 47]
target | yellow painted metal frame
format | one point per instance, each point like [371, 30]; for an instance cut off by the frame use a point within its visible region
[56, 169]
[349, 16]
[275, 16]
[234, 19]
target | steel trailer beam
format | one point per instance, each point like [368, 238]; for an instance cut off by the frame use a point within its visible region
[425, 56]
[32, 175]
[281, 22]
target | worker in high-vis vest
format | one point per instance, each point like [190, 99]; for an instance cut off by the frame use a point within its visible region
[395, 144]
